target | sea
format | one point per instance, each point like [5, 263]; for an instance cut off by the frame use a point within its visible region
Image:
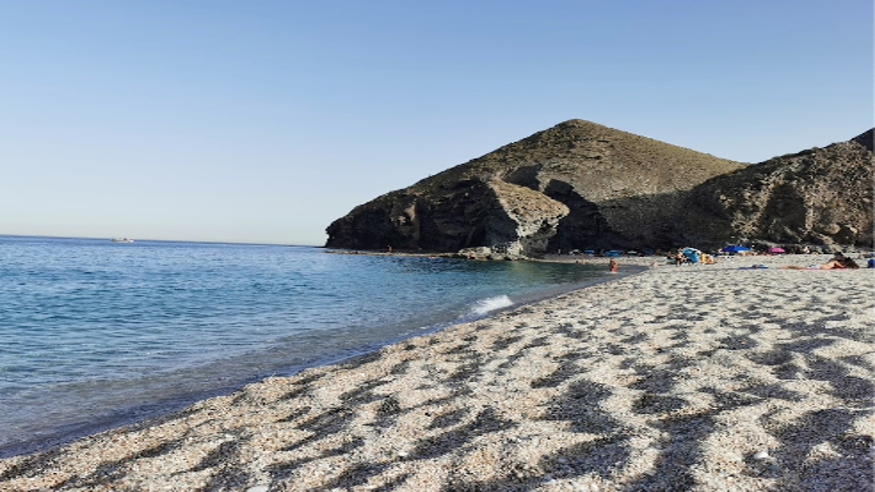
[96, 334]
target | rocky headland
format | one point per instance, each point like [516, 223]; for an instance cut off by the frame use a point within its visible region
[580, 185]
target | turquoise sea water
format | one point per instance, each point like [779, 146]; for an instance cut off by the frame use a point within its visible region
[96, 333]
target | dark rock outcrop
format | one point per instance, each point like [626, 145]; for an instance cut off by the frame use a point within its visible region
[817, 196]
[584, 185]
[511, 220]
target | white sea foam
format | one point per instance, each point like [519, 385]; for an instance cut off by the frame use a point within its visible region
[485, 306]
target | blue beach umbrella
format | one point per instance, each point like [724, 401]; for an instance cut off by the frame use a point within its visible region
[692, 254]
[735, 248]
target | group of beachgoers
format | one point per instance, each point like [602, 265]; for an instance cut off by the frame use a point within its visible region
[838, 262]
[692, 256]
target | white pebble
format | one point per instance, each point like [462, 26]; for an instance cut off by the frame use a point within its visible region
[761, 455]
[258, 488]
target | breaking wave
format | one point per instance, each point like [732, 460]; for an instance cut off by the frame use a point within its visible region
[486, 306]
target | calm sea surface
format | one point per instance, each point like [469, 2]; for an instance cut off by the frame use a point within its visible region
[95, 333]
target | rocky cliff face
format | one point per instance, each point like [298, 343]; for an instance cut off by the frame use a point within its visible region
[583, 185]
[818, 196]
[509, 219]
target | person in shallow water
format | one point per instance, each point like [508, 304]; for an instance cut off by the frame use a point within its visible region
[612, 266]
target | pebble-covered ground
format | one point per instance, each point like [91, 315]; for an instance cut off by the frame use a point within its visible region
[699, 378]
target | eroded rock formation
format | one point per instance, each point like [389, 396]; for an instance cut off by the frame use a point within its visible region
[817, 196]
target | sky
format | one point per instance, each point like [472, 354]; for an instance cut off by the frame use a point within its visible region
[264, 121]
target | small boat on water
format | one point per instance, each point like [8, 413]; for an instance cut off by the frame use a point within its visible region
[121, 240]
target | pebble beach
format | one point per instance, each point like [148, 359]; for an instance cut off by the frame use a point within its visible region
[680, 378]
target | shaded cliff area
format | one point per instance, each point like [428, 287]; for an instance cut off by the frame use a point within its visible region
[586, 186]
[817, 196]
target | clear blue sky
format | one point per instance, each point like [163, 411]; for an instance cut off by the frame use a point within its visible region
[263, 121]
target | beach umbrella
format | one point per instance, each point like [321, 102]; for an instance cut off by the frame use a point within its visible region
[692, 254]
[776, 250]
[735, 248]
